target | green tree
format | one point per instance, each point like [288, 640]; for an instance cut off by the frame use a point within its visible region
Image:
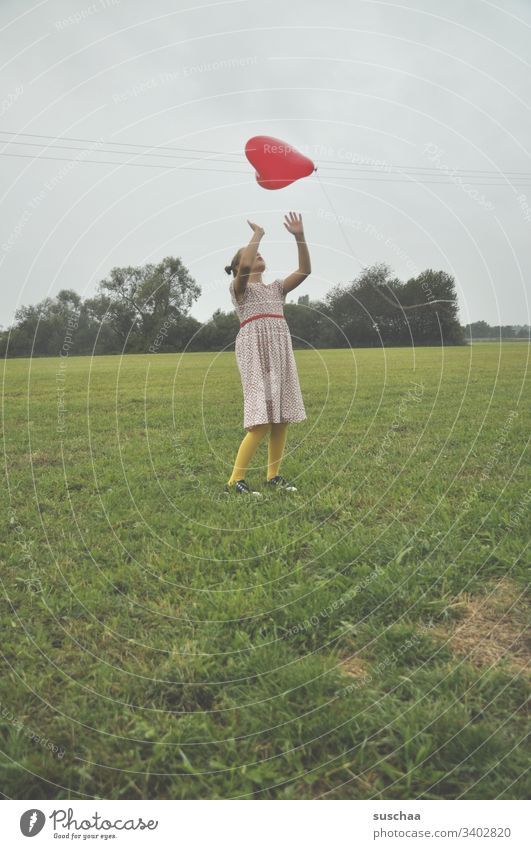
[141, 300]
[219, 333]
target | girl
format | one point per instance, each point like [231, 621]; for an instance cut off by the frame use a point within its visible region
[271, 390]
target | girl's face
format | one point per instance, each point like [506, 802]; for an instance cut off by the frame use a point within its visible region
[259, 264]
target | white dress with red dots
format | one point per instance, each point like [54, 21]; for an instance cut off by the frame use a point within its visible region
[265, 358]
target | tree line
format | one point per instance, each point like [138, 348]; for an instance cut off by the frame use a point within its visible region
[146, 309]
[481, 330]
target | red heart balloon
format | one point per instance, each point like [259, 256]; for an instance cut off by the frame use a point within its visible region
[277, 163]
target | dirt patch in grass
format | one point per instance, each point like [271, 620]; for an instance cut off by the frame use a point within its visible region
[42, 458]
[493, 628]
[354, 666]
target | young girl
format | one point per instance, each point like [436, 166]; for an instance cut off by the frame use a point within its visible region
[272, 394]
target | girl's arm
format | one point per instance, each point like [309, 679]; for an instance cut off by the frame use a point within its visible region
[294, 225]
[247, 259]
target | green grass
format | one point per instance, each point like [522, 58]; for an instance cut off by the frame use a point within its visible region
[164, 642]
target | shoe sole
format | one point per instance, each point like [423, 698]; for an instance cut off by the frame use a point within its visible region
[252, 492]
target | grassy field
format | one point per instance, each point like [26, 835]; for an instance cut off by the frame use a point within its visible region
[361, 638]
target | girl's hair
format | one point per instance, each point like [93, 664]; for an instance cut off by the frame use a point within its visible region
[235, 262]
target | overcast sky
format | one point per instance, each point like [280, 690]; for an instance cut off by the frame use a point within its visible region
[363, 84]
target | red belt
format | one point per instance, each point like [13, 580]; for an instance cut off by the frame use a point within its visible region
[262, 315]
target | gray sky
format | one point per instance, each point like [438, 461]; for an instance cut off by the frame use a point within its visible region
[376, 85]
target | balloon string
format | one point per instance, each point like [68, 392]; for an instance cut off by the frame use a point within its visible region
[396, 302]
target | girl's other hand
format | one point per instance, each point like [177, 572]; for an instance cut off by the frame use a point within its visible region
[256, 228]
[293, 224]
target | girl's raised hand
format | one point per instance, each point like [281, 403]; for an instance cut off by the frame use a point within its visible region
[293, 224]
[256, 228]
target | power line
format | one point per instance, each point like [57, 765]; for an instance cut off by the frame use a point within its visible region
[230, 162]
[119, 152]
[413, 181]
[122, 144]
[425, 168]
[442, 182]
[36, 158]
[335, 164]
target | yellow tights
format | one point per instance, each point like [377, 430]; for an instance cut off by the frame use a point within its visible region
[250, 443]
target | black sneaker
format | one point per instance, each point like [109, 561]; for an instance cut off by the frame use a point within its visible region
[241, 486]
[278, 482]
